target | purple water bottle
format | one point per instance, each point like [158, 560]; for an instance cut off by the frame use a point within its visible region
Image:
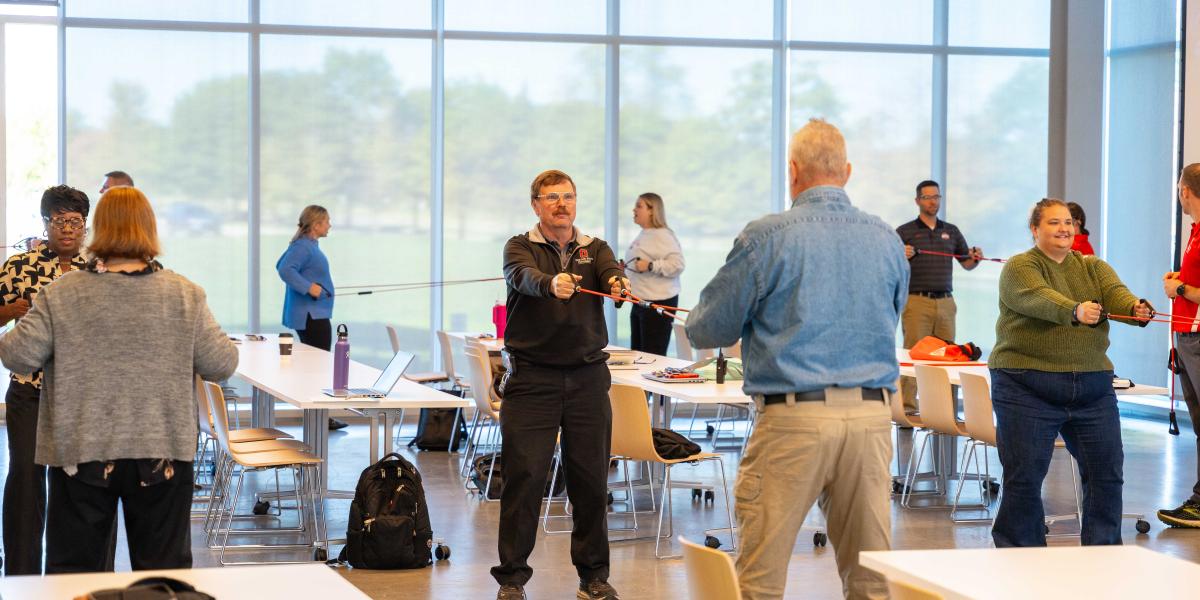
[341, 358]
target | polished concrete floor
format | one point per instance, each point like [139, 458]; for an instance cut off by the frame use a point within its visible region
[1159, 471]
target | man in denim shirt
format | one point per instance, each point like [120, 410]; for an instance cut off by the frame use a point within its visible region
[815, 294]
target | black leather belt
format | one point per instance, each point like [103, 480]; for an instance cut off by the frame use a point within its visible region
[819, 396]
[933, 295]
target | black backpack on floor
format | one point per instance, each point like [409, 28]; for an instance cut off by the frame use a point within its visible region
[479, 476]
[389, 520]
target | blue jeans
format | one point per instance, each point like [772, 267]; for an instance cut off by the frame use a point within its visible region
[1032, 409]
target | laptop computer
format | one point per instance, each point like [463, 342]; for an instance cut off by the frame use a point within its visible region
[387, 380]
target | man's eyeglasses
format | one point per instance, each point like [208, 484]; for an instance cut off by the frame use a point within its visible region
[554, 198]
[930, 197]
[62, 224]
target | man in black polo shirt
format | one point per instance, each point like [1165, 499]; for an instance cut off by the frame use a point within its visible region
[930, 309]
[557, 379]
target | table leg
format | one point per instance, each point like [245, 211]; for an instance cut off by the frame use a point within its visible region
[262, 409]
[374, 415]
[387, 431]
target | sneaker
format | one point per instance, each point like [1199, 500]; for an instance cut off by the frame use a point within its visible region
[336, 424]
[1187, 515]
[510, 591]
[596, 590]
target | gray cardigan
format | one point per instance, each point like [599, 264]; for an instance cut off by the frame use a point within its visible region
[119, 353]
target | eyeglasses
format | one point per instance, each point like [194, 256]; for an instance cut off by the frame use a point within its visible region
[930, 197]
[554, 198]
[62, 224]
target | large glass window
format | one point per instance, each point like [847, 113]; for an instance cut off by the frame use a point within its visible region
[695, 129]
[1011, 24]
[876, 21]
[513, 110]
[174, 10]
[345, 125]
[30, 125]
[1140, 171]
[346, 122]
[747, 19]
[881, 103]
[542, 16]
[406, 14]
[995, 172]
[170, 109]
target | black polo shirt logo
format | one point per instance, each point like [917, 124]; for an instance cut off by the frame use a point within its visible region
[945, 236]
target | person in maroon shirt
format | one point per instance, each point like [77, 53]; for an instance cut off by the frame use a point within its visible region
[1081, 244]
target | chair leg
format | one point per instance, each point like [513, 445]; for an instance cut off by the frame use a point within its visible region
[629, 490]
[728, 506]
[666, 508]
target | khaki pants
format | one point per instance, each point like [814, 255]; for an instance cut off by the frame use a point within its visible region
[924, 316]
[833, 452]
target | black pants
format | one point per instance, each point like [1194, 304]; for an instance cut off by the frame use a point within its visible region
[650, 331]
[317, 333]
[157, 520]
[538, 401]
[25, 488]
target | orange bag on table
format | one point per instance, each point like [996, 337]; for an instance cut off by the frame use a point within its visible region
[933, 348]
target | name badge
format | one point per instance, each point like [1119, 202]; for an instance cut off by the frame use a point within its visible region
[945, 236]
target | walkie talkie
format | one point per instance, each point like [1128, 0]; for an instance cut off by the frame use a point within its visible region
[722, 366]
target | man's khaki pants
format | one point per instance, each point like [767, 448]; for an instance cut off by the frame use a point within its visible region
[834, 452]
[921, 317]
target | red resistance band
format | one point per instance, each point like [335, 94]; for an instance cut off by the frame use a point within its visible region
[627, 296]
[932, 253]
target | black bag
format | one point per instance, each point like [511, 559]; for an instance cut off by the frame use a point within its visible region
[389, 521]
[434, 429]
[152, 588]
[479, 476]
[673, 446]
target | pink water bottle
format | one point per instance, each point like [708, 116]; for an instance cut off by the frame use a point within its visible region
[499, 318]
[341, 358]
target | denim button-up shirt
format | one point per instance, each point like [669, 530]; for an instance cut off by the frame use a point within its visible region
[814, 293]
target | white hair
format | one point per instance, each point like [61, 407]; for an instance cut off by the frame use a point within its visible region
[819, 149]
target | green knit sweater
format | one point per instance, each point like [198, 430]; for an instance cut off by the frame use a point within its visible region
[1037, 303]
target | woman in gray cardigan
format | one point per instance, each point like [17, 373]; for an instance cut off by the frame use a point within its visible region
[119, 343]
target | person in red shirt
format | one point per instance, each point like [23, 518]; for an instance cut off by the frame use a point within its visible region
[1081, 244]
[1184, 288]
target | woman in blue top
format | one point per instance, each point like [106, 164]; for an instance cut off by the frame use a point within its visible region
[308, 298]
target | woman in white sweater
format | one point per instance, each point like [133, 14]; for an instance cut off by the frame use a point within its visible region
[653, 264]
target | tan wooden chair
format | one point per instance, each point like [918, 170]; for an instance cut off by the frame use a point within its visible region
[710, 573]
[632, 440]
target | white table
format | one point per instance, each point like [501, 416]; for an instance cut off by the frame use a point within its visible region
[492, 344]
[299, 380]
[907, 369]
[265, 582]
[1093, 572]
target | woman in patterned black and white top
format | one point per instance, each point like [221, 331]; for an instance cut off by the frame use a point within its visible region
[64, 211]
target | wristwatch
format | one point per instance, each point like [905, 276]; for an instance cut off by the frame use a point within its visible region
[1181, 290]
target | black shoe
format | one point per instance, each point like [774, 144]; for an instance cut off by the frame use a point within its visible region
[596, 590]
[336, 424]
[510, 591]
[1187, 515]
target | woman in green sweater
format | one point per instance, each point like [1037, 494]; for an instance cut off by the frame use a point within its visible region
[1050, 376]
